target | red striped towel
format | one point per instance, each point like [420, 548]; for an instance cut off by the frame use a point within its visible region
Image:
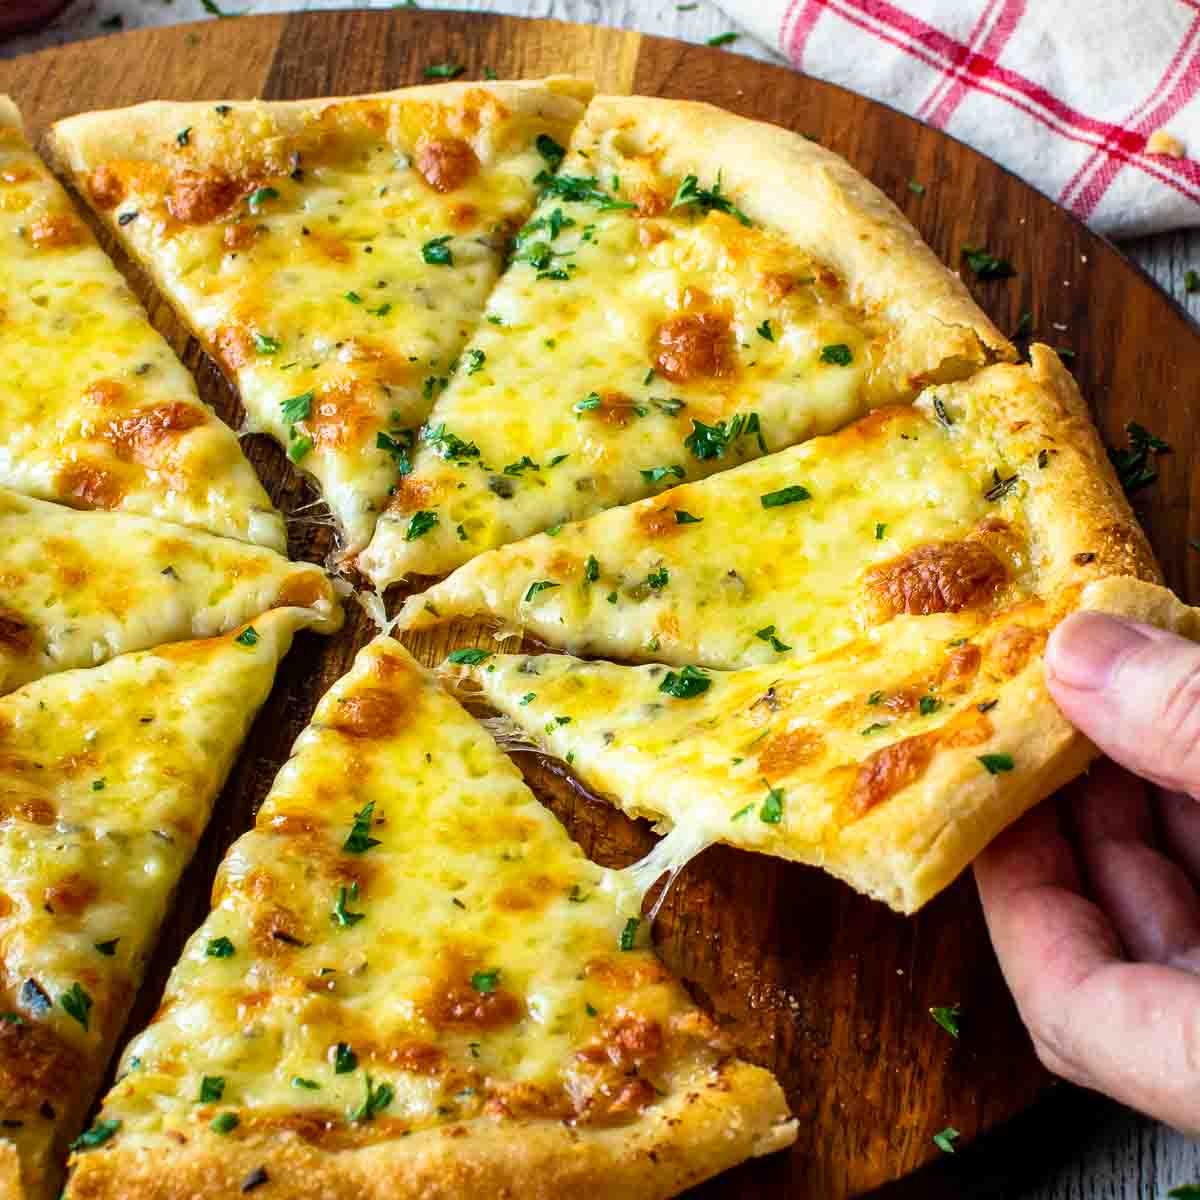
[1094, 102]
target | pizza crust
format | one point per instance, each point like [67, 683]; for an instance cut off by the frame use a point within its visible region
[833, 213]
[736, 1112]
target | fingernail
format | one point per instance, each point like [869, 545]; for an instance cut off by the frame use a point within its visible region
[1085, 651]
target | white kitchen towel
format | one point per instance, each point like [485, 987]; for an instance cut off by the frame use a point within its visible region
[1094, 102]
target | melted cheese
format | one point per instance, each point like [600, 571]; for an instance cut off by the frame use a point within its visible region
[95, 409]
[664, 321]
[478, 965]
[735, 569]
[77, 588]
[346, 262]
[107, 778]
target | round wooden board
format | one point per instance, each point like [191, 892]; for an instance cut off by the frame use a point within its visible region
[830, 990]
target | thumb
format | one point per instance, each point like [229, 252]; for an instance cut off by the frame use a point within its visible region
[1134, 690]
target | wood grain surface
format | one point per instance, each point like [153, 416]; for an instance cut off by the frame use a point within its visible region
[830, 990]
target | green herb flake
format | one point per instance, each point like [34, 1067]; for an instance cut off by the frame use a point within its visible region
[474, 360]
[686, 684]
[552, 153]
[996, 763]
[917, 189]
[77, 1003]
[420, 524]
[528, 698]
[723, 39]
[296, 408]
[97, 1135]
[686, 518]
[220, 947]
[788, 495]
[469, 656]
[260, 196]
[212, 1088]
[436, 252]
[248, 637]
[263, 344]
[538, 586]
[446, 70]
[764, 330]
[628, 938]
[929, 705]
[108, 949]
[225, 1122]
[307, 1085]
[1135, 465]
[838, 354]
[299, 448]
[877, 727]
[946, 1139]
[486, 981]
[742, 812]
[344, 1059]
[691, 195]
[658, 579]
[591, 569]
[359, 840]
[767, 634]
[184, 136]
[658, 474]
[880, 530]
[947, 1018]
[986, 265]
[375, 1101]
[342, 915]
[1191, 284]
[771, 812]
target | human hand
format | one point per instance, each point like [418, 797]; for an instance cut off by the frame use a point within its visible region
[1091, 900]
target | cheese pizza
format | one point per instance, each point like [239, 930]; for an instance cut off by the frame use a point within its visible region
[95, 409]
[921, 725]
[413, 983]
[107, 778]
[794, 553]
[693, 290]
[331, 255]
[77, 588]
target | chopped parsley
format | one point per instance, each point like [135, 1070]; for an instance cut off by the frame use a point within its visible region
[524, 463]
[307, 1085]
[657, 474]
[420, 524]
[686, 518]
[97, 1135]
[939, 410]
[1191, 283]
[591, 569]
[225, 1122]
[995, 763]
[184, 136]
[341, 915]
[764, 330]
[742, 812]
[874, 728]
[298, 448]
[447, 445]
[344, 1059]
[711, 441]
[446, 70]
[986, 265]
[1135, 466]
[98, 785]
[657, 580]
[469, 656]
[550, 150]
[375, 1101]
[267, 345]
[838, 354]
[108, 949]
[398, 443]
[297, 408]
[126, 217]
[1024, 326]
[474, 360]
[691, 195]
[947, 1018]
[880, 530]
[579, 189]
[436, 252]
[527, 698]
[628, 938]
[917, 189]
[589, 402]
[929, 705]
[946, 1139]
[359, 839]
[220, 947]
[686, 684]
[540, 585]
[723, 39]
[212, 1088]
[486, 981]
[78, 1003]
[772, 807]
[352, 296]
[1001, 487]
[260, 196]
[248, 637]
[787, 495]
[767, 634]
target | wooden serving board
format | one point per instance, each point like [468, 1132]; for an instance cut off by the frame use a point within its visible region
[830, 990]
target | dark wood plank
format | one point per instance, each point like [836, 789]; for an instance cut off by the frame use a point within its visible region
[829, 989]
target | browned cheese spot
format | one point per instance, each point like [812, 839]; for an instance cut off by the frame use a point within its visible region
[446, 163]
[936, 577]
[693, 346]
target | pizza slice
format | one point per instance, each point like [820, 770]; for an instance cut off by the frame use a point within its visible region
[107, 778]
[693, 290]
[332, 255]
[412, 983]
[920, 724]
[790, 554]
[95, 409]
[77, 588]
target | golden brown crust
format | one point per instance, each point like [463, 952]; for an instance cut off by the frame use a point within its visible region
[830, 211]
[735, 1112]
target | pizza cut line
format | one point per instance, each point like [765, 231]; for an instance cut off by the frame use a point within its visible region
[418, 985]
[694, 290]
[331, 255]
[96, 412]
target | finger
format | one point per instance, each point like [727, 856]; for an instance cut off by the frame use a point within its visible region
[1147, 896]
[1179, 818]
[1129, 1030]
[1134, 690]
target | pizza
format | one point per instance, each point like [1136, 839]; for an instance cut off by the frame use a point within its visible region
[413, 983]
[77, 588]
[797, 552]
[107, 778]
[95, 409]
[917, 723]
[331, 255]
[693, 290]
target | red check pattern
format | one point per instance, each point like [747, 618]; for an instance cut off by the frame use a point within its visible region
[1067, 93]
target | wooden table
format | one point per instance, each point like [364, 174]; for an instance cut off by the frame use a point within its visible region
[1071, 1146]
